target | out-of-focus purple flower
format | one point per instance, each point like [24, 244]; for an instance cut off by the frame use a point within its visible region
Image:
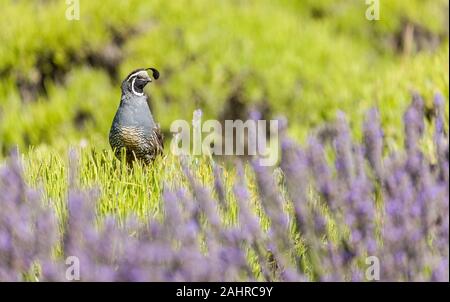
[343, 147]
[314, 218]
[413, 124]
[27, 227]
[322, 174]
[441, 139]
[373, 142]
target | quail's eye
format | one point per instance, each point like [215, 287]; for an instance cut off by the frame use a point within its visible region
[142, 79]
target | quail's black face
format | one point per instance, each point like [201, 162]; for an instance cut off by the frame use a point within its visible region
[136, 80]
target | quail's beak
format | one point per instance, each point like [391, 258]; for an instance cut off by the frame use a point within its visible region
[147, 79]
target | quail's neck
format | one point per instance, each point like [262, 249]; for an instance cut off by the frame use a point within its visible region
[133, 100]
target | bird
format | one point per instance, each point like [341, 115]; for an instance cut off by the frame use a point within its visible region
[133, 128]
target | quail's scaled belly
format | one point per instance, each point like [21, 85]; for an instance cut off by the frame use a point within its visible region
[130, 138]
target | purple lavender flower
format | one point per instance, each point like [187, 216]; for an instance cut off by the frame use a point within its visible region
[373, 142]
[400, 216]
[343, 148]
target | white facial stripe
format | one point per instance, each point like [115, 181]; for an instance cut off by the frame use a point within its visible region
[134, 91]
[136, 73]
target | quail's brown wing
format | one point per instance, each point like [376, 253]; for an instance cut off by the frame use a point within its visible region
[159, 139]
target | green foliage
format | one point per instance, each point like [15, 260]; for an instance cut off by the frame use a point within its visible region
[305, 59]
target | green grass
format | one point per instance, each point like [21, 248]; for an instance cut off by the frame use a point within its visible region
[124, 191]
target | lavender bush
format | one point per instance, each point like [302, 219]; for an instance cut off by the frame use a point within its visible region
[325, 218]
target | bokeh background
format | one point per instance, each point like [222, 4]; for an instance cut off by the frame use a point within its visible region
[60, 79]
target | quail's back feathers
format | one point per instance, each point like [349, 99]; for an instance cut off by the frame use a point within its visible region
[133, 127]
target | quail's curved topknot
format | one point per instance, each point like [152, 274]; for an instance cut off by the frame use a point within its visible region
[155, 72]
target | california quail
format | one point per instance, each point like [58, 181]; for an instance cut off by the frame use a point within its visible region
[133, 128]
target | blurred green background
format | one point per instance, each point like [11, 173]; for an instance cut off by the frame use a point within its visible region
[60, 79]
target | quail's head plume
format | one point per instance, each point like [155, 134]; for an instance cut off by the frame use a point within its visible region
[134, 129]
